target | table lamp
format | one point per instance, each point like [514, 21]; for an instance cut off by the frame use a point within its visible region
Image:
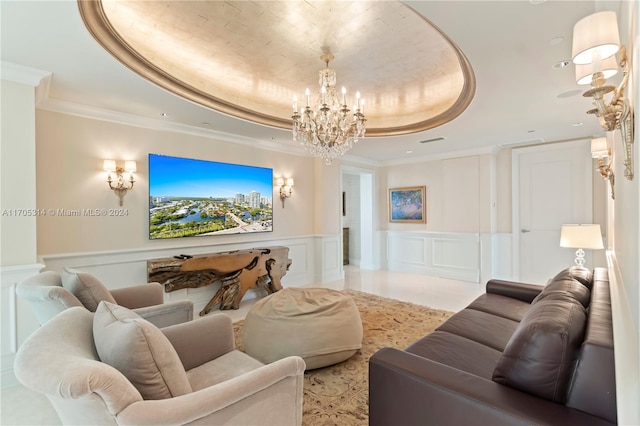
[581, 236]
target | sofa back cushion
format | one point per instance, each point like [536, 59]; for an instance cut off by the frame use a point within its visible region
[541, 354]
[565, 287]
[578, 273]
[140, 351]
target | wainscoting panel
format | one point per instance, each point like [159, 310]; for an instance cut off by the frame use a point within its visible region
[447, 255]
[129, 267]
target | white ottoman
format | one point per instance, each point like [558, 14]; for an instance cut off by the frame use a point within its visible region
[320, 325]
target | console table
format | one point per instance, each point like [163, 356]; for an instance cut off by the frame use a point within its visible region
[237, 271]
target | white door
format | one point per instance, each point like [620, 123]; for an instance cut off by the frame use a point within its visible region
[552, 185]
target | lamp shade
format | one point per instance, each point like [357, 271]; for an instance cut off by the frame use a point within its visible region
[584, 236]
[608, 67]
[130, 166]
[109, 165]
[595, 36]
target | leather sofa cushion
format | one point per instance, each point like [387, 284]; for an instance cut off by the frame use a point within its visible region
[457, 352]
[502, 306]
[582, 275]
[565, 287]
[140, 351]
[488, 329]
[540, 356]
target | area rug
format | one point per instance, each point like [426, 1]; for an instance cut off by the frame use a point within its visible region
[338, 394]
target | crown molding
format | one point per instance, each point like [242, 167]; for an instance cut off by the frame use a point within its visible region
[441, 156]
[72, 108]
[22, 74]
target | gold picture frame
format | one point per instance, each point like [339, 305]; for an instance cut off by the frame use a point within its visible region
[407, 204]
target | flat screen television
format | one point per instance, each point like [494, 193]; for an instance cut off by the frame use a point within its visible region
[190, 197]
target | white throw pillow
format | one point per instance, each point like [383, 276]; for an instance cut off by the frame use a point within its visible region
[140, 351]
[86, 287]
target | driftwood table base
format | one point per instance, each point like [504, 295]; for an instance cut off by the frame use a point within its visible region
[237, 271]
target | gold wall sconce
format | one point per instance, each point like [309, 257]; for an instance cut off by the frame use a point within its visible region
[286, 188]
[120, 187]
[600, 150]
[596, 42]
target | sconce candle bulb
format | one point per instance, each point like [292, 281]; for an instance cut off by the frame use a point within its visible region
[120, 187]
[600, 150]
[285, 186]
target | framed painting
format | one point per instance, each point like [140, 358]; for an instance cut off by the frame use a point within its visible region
[407, 205]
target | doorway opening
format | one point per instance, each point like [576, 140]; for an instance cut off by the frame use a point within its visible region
[357, 217]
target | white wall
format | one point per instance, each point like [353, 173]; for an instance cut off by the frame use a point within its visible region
[69, 156]
[17, 174]
[624, 255]
[456, 240]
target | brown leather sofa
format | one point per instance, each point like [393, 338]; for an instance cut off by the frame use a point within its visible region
[518, 354]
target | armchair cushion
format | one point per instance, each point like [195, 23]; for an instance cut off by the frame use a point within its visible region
[86, 287]
[140, 351]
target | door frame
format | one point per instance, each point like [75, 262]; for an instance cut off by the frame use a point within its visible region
[367, 213]
[516, 153]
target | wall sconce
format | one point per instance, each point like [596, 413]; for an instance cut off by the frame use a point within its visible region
[285, 185]
[600, 150]
[120, 188]
[584, 236]
[595, 44]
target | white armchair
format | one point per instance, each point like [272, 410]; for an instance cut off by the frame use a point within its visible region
[189, 373]
[50, 293]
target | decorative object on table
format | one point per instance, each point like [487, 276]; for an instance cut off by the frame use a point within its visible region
[407, 205]
[120, 188]
[328, 129]
[596, 41]
[581, 236]
[337, 394]
[237, 271]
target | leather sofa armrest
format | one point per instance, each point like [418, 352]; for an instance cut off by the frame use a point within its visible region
[139, 296]
[202, 340]
[514, 290]
[409, 390]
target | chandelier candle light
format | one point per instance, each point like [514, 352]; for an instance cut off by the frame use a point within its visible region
[328, 130]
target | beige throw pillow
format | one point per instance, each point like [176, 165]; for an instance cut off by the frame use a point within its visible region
[140, 351]
[86, 287]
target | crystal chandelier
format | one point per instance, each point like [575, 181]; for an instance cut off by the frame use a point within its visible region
[328, 130]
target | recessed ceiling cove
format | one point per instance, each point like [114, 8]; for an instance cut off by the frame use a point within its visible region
[248, 59]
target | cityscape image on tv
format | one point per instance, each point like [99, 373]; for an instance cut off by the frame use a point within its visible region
[190, 197]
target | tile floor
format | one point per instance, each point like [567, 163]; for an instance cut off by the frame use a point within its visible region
[20, 406]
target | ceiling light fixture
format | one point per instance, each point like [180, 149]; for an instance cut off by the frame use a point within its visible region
[328, 130]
